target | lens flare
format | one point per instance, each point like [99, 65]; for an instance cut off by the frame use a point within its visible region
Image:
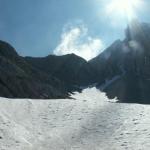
[125, 8]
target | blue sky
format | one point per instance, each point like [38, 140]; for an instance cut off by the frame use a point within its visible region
[37, 27]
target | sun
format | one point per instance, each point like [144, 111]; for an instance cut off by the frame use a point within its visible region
[124, 7]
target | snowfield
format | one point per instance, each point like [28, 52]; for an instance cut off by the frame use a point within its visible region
[87, 122]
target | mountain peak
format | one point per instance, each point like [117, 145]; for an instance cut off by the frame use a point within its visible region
[122, 70]
[7, 50]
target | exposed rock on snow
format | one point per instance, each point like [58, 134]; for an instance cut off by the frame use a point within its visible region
[87, 122]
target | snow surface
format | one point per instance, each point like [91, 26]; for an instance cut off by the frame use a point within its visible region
[87, 122]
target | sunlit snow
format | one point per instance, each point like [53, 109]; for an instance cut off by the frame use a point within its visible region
[89, 121]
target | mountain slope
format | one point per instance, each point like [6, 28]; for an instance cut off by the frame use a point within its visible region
[122, 70]
[71, 69]
[127, 64]
[20, 80]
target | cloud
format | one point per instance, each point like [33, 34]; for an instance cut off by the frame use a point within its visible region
[75, 39]
[135, 45]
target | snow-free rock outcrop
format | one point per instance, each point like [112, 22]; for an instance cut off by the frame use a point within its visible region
[18, 79]
[122, 70]
[124, 67]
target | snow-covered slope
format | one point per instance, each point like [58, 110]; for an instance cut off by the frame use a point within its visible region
[87, 122]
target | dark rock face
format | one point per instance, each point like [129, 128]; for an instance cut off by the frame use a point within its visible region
[18, 79]
[124, 68]
[108, 64]
[47, 77]
[73, 70]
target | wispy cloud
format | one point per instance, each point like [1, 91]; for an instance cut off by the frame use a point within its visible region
[75, 39]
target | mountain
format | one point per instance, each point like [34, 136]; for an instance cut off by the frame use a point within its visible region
[73, 70]
[18, 79]
[124, 67]
[122, 70]
[47, 77]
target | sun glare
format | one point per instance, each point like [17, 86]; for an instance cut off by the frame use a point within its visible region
[126, 8]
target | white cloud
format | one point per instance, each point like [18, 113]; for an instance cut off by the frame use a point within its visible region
[135, 45]
[76, 40]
